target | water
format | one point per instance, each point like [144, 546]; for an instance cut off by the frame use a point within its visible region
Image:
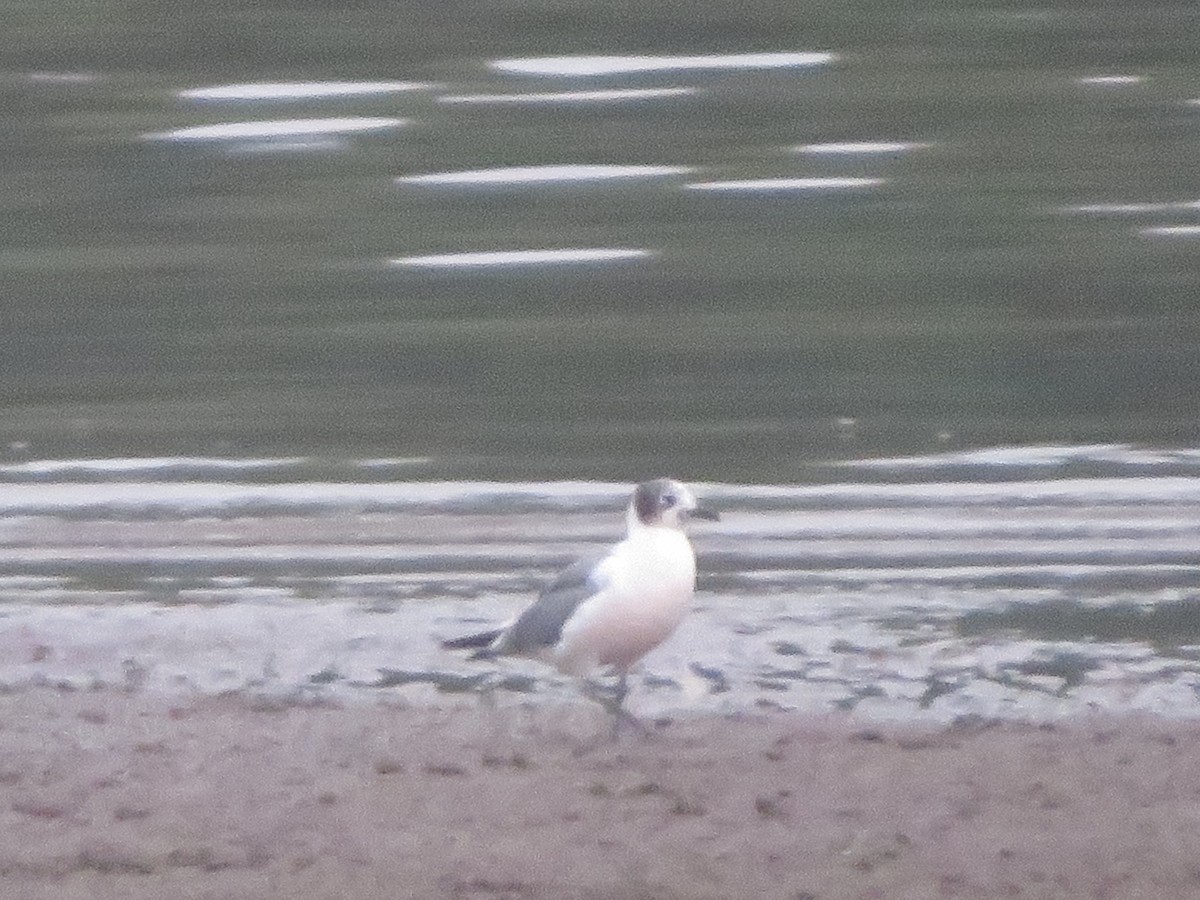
[314, 318]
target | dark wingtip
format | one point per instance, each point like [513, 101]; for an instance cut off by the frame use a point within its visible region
[482, 639]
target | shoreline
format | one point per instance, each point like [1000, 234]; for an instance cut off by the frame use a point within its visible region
[113, 793]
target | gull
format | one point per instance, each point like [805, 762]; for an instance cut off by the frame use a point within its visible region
[611, 607]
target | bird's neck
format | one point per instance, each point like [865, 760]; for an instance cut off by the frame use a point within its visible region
[634, 525]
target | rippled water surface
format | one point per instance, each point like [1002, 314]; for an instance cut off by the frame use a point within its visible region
[328, 331]
[561, 241]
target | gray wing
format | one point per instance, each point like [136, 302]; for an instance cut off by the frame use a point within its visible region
[540, 626]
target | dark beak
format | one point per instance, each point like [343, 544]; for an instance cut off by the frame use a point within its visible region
[703, 512]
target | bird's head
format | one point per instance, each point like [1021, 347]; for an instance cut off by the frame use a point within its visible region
[666, 502]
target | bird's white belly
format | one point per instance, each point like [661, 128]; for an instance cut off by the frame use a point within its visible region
[649, 594]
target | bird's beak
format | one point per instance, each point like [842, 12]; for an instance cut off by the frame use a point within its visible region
[703, 512]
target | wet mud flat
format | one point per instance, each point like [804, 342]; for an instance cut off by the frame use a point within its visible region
[933, 588]
[118, 793]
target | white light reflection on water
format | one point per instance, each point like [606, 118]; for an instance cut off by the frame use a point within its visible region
[299, 90]
[276, 128]
[147, 464]
[854, 148]
[1131, 209]
[276, 147]
[600, 96]
[390, 462]
[1111, 80]
[1171, 231]
[523, 257]
[619, 65]
[64, 77]
[788, 184]
[194, 496]
[1045, 455]
[516, 175]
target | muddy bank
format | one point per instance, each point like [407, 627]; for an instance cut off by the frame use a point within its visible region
[123, 794]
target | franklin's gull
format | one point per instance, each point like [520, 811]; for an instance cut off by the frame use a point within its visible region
[614, 606]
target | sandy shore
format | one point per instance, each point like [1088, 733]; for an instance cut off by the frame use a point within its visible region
[124, 795]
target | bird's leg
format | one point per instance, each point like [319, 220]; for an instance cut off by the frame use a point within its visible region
[601, 693]
[620, 692]
[619, 712]
[613, 701]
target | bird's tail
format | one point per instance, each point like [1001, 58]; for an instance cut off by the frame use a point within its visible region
[480, 642]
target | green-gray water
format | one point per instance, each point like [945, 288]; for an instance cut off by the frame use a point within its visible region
[995, 280]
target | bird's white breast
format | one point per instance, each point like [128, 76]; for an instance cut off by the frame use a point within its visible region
[648, 583]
